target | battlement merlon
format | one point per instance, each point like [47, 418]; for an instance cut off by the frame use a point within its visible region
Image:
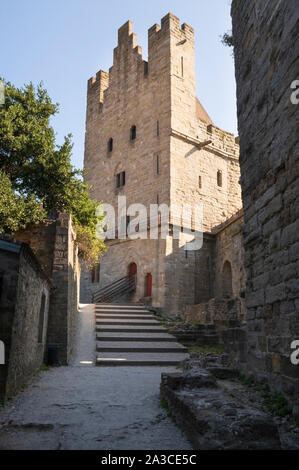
[170, 24]
[98, 84]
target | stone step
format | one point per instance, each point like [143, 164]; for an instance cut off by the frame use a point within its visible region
[119, 306]
[140, 359]
[132, 346]
[122, 312]
[133, 336]
[130, 329]
[127, 322]
[122, 316]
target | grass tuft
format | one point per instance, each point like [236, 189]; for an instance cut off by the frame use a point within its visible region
[206, 349]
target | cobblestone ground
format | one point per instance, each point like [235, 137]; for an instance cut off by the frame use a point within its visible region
[86, 407]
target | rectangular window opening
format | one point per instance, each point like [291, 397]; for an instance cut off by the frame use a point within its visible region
[120, 179]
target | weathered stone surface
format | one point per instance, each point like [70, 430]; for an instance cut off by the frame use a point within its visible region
[53, 243]
[211, 418]
[24, 308]
[266, 44]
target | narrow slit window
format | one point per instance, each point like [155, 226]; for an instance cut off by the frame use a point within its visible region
[199, 182]
[120, 179]
[110, 145]
[219, 178]
[158, 165]
[145, 68]
[133, 133]
[182, 66]
[158, 128]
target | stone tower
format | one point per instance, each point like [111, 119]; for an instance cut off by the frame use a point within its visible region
[148, 138]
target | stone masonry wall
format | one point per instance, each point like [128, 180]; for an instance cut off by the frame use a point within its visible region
[9, 265]
[23, 315]
[27, 351]
[144, 253]
[229, 248]
[211, 303]
[41, 238]
[65, 296]
[53, 243]
[266, 44]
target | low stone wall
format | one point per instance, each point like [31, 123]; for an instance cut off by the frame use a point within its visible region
[216, 414]
[24, 307]
[221, 312]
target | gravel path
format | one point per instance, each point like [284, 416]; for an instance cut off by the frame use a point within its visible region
[86, 407]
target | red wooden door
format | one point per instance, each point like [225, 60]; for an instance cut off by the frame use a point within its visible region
[148, 285]
[133, 269]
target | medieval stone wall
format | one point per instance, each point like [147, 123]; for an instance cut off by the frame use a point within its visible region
[266, 40]
[24, 307]
[217, 299]
[142, 252]
[53, 243]
[41, 239]
[229, 251]
[63, 312]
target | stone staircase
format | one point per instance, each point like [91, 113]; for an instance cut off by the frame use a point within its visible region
[129, 335]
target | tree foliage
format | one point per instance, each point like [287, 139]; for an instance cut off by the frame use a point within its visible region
[227, 39]
[38, 172]
[17, 211]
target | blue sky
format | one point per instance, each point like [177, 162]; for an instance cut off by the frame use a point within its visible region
[65, 42]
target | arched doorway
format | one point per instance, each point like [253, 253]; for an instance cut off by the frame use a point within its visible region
[132, 269]
[133, 273]
[227, 283]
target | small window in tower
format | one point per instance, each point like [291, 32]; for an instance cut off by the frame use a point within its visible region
[199, 181]
[120, 179]
[133, 133]
[145, 68]
[219, 178]
[182, 66]
[158, 128]
[157, 165]
[110, 145]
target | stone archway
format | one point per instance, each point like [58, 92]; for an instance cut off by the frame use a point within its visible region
[227, 280]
